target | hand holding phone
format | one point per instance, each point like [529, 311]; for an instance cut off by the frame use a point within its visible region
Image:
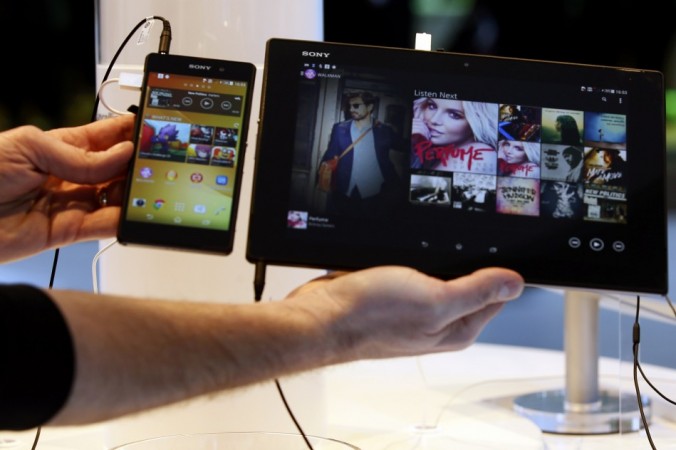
[184, 180]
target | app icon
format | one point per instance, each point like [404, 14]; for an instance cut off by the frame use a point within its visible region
[310, 74]
[146, 172]
[221, 180]
[158, 203]
[138, 202]
[171, 175]
[196, 177]
[200, 209]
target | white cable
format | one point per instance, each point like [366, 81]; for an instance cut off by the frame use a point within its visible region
[103, 100]
[95, 278]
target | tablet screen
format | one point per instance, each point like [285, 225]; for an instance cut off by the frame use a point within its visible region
[450, 162]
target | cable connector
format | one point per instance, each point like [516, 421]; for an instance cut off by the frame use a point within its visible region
[165, 37]
[423, 41]
[259, 281]
[130, 80]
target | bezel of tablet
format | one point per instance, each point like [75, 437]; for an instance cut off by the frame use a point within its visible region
[616, 240]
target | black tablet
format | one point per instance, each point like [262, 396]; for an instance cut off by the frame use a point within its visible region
[451, 162]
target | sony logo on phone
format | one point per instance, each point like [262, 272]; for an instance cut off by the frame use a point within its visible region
[199, 66]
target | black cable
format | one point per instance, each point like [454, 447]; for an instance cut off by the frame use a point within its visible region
[259, 284]
[293, 417]
[165, 41]
[636, 337]
[37, 438]
[54, 264]
[671, 305]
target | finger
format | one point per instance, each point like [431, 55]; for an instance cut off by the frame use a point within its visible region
[113, 193]
[52, 156]
[98, 135]
[100, 224]
[77, 225]
[472, 293]
[463, 332]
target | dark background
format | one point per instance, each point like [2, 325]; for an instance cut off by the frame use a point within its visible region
[48, 46]
[49, 53]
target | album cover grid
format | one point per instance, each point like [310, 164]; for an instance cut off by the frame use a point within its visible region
[521, 160]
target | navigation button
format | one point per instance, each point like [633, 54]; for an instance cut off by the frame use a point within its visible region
[574, 242]
[596, 244]
[618, 246]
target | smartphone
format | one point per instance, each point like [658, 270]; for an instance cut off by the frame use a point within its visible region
[184, 179]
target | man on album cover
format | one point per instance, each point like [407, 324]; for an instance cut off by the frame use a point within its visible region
[362, 145]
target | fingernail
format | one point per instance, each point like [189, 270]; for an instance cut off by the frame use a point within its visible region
[510, 290]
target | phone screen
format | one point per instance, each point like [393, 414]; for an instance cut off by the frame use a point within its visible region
[190, 138]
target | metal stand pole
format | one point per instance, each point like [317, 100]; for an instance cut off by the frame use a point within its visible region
[582, 408]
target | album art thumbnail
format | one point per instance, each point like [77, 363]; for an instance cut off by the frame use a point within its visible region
[201, 134]
[605, 166]
[430, 190]
[473, 192]
[519, 123]
[520, 196]
[562, 162]
[519, 159]
[562, 126]
[561, 200]
[226, 136]
[605, 130]
[164, 140]
[198, 153]
[605, 204]
[297, 219]
[223, 156]
[465, 143]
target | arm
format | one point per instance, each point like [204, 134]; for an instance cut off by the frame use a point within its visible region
[134, 354]
[339, 133]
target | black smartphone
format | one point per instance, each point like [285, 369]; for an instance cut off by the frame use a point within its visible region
[183, 183]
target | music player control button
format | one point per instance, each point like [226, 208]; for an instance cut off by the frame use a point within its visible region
[596, 244]
[574, 242]
[618, 246]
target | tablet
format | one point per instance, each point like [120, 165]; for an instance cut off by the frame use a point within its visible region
[451, 162]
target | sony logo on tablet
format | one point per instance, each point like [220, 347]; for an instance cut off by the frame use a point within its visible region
[316, 54]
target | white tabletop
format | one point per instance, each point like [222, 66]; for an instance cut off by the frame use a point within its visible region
[464, 400]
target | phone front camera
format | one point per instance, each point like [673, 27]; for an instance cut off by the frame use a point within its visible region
[221, 69]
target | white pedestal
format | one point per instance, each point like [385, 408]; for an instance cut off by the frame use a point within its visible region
[224, 29]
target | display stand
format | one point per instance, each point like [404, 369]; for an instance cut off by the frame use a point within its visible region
[581, 407]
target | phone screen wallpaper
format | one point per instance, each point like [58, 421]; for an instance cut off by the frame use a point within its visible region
[187, 151]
